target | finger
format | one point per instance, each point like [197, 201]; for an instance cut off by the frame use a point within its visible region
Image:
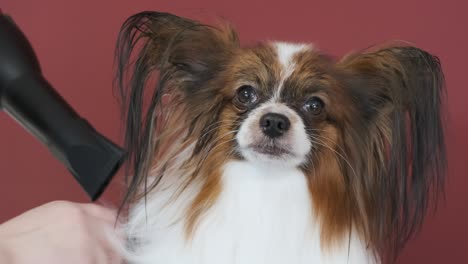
[110, 244]
[104, 213]
[110, 236]
[105, 257]
[113, 258]
[100, 256]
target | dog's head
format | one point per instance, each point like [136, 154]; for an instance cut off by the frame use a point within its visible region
[366, 130]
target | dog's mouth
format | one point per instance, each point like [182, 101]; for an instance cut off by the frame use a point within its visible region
[270, 150]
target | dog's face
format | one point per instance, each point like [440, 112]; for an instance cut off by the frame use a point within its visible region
[280, 98]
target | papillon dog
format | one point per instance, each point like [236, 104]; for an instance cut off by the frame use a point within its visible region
[274, 152]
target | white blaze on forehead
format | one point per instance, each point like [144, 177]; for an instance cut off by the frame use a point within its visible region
[286, 52]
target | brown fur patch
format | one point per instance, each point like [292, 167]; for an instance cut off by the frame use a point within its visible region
[211, 165]
[330, 197]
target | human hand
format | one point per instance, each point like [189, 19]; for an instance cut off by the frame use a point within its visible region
[60, 232]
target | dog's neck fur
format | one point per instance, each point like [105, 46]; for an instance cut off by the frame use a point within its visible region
[263, 215]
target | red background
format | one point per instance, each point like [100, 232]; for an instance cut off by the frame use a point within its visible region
[75, 42]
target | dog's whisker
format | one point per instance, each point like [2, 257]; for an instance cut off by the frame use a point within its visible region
[337, 153]
[216, 128]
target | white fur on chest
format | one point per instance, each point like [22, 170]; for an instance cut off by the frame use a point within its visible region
[263, 215]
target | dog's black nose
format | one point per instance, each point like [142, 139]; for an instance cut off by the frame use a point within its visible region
[274, 125]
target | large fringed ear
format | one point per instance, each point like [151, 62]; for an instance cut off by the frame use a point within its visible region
[166, 42]
[400, 92]
[174, 48]
[161, 54]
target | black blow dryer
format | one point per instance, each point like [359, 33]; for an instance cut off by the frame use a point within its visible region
[27, 96]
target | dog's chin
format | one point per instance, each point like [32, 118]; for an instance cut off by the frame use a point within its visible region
[271, 155]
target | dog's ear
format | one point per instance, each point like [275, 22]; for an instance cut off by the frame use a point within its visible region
[184, 54]
[168, 42]
[400, 92]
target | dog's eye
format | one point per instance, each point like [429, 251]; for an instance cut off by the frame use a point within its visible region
[314, 106]
[246, 94]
